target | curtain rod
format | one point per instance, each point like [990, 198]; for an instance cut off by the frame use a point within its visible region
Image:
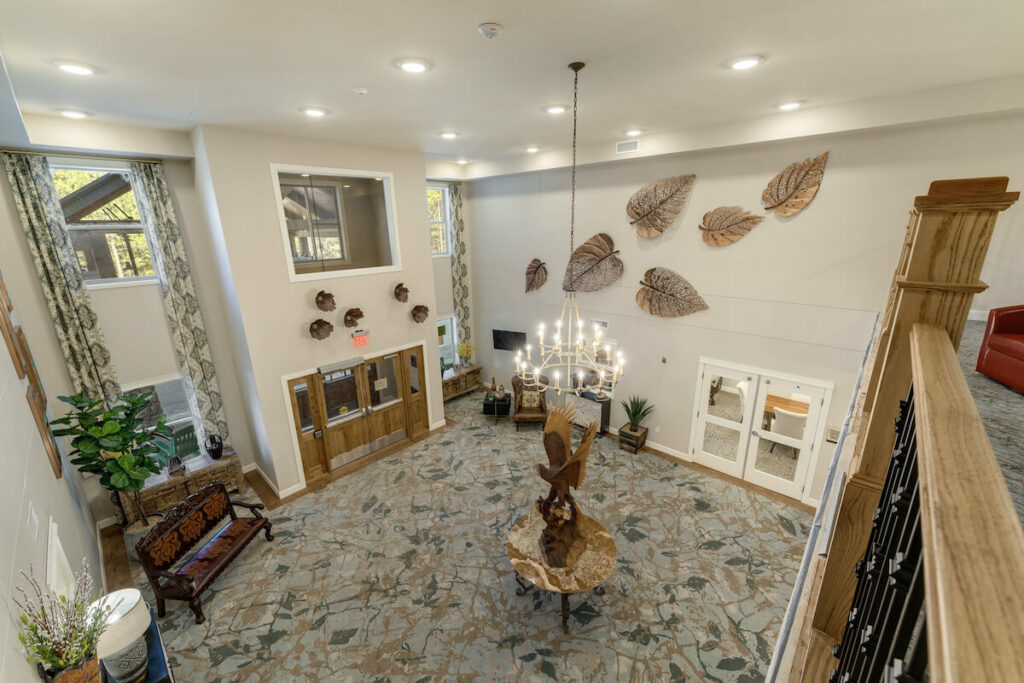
[81, 155]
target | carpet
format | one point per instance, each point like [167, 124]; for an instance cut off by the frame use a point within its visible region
[399, 572]
[1002, 412]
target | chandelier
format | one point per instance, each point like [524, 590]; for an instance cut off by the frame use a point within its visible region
[568, 360]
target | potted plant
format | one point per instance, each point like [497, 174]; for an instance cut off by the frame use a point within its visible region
[60, 633]
[633, 435]
[466, 352]
[113, 443]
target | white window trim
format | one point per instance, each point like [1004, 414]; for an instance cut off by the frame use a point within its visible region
[388, 179]
[447, 220]
[342, 224]
[115, 282]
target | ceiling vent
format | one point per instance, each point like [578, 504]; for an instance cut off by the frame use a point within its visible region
[627, 146]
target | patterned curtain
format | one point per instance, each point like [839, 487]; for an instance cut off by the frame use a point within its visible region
[460, 270]
[181, 305]
[81, 340]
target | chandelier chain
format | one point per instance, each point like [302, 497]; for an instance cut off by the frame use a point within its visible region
[572, 191]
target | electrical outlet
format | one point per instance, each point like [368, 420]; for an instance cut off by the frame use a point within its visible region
[33, 521]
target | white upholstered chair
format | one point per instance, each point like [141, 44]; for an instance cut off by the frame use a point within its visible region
[742, 387]
[789, 424]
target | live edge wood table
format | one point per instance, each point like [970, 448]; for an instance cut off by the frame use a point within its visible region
[161, 492]
[592, 568]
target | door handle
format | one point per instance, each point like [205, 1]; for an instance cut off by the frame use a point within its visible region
[318, 434]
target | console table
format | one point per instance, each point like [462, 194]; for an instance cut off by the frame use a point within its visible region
[462, 382]
[589, 409]
[162, 492]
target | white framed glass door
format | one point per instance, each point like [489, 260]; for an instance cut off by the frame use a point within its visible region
[722, 421]
[782, 442]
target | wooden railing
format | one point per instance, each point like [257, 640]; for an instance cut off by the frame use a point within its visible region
[967, 572]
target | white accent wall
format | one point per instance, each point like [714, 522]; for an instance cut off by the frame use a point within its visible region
[797, 295]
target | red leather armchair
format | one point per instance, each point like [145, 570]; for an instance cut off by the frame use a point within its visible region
[1002, 350]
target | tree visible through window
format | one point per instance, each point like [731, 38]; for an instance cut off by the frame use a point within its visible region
[439, 217]
[103, 223]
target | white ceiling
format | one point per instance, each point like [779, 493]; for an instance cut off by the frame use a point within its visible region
[652, 65]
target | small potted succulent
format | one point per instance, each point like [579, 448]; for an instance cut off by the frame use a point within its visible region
[633, 435]
[59, 633]
[113, 443]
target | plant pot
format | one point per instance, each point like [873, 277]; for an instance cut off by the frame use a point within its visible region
[134, 532]
[86, 672]
[632, 439]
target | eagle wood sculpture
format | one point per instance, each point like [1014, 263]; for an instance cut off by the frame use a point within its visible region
[564, 472]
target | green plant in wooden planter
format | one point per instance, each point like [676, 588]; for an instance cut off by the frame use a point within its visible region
[633, 435]
[113, 443]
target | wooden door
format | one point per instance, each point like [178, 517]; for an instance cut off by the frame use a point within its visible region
[344, 404]
[306, 412]
[384, 386]
[415, 392]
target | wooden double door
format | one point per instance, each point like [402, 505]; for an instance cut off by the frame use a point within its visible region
[346, 411]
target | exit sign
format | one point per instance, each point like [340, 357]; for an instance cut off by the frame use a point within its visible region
[360, 338]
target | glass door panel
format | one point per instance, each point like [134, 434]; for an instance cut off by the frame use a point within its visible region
[721, 423]
[387, 413]
[382, 376]
[781, 444]
[304, 413]
[341, 395]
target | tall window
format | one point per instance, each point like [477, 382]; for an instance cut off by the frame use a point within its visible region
[439, 216]
[103, 221]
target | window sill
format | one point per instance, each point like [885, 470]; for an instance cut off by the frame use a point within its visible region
[445, 255]
[113, 283]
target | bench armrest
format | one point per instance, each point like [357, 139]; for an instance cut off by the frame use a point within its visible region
[254, 507]
[183, 581]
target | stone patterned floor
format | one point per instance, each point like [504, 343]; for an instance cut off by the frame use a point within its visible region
[1002, 411]
[399, 572]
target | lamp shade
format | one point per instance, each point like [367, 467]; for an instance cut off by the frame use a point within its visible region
[128, 621]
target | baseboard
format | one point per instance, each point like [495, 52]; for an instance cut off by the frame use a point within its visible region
[978, 314]
[249, 468]
[290, 490]
[667, 450]
[437, 425]
[105, 522]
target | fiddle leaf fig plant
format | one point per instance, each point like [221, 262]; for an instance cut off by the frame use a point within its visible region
[114, 443]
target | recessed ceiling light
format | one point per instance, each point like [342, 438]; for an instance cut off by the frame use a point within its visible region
[305, 175]
[361, 91]
[462, 162]
[532, 150]
[555, 109]
[346, 186]
[449, 135]
[633, 132]
[315, 112]
[412, 65]
[74, 114]
[378, 179]
[76, 68]
[789, 106]
[744, 63]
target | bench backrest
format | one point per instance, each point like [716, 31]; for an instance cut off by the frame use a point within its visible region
[183, 526]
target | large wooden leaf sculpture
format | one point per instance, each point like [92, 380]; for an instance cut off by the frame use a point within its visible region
[792, 189]
[536, 275]
[667, 295]
[654, 207]
[726, 224]
[593, 266]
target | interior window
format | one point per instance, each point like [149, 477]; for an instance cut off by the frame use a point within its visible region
[335, 223]
[169, 398]
[447, 341]
[103, 223]
[439, 217]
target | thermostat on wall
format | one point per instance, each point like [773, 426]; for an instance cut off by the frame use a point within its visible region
[360, 338]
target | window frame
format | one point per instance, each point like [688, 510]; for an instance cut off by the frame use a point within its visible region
[453, 325]
[104, 166]
[339, 203]
[388, 180]
[446, 220]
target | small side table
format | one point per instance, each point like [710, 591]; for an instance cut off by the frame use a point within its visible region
[592, 568]
[498, 407]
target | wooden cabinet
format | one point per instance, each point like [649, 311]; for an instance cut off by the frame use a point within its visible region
[464, 381]
[162, 492]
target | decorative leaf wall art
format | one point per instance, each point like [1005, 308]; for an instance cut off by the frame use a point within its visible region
[593, 266]
[654, 207]
[536, 275]
[726, 224]
[419, 313]
[667, 295]
[320, 329]
[794, 187]
[325, 301]
[401, 292]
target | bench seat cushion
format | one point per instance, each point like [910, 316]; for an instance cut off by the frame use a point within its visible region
[208, 562]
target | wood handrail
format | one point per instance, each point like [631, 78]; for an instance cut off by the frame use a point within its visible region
[972, 540]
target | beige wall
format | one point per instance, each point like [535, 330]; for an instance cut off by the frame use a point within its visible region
[272, 315]
[132, 318]
[796, 295]
[28, 481]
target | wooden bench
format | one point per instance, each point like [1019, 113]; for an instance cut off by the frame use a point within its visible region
[181, 529]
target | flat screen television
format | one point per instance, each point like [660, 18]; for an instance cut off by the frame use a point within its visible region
[505, 340]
